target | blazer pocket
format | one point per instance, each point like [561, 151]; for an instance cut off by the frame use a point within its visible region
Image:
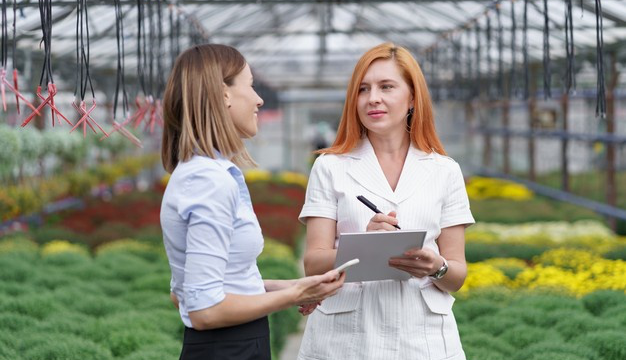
[346, 300]
[439, 302]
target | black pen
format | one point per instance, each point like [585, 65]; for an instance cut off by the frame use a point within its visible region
[373, 207]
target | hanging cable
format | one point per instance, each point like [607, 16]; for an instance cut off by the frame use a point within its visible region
[83, 67]
[14, 60]
[488, 39]
[570, 77]
[120, 78]
[601, 88]
[525, 51]
[512, 77]
[500, 50]
[159, 65]
[469, 69]
[140, 42]
[45, 12]
[547, 73]
[151, 48]
[478, 61]
[5, 36]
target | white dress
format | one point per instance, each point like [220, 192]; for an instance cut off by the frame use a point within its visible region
[389, 320]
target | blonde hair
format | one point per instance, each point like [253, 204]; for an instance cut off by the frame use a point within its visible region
[196, 119]
[423, 134]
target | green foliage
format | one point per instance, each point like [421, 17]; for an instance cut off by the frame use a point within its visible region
[122, 266]
[162, 351]
[149, 300]
[619, 253]
[66, 259]
[14, 321]
[272, 268]
[610, 344]
[46, 234]
[51, 279]
[476, 252]
[125, 341]
[616, 313]
[495, 324]
[157, 282]
[37, 306]
[483, 341]
[537, 209]
[469, 310]
[548, 302]
[15, 268]
[283, 322]
[12, 289]
[598, 301]
[559, 350]
[527, 315]
[151, 235]
[98, 306]
[522, 336]
[50, 346]
[18, 246]
[582, 323]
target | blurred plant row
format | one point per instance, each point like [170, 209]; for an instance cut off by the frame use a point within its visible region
[480, 188]
[28, 152]
[501, 324]
[35, 193]
[571, 271]
[58, 301]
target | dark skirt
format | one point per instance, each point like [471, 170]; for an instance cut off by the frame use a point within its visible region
[249, 341]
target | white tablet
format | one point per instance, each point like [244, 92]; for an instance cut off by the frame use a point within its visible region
[374, 249]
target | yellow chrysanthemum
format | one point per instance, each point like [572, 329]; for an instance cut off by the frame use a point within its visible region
[253, 175]
[480, 188]
[62, 246]
[480, 275]
[290, 177]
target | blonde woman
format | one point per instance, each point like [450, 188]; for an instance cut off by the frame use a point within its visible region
[210, 232]
[387, 149]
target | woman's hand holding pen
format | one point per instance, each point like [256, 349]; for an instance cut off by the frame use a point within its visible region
[382, 222]
[417, 262]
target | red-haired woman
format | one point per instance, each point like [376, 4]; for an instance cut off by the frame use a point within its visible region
[387, 149]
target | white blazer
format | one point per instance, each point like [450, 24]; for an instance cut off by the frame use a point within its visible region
[386, 319]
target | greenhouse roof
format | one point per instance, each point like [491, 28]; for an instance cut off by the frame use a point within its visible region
[315, 43]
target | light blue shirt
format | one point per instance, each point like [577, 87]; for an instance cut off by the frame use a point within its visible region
[211, 235]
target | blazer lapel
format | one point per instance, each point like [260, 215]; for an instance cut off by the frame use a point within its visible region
[418, 170]
[366, 170]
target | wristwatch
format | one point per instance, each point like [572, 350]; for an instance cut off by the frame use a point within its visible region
[442, 270]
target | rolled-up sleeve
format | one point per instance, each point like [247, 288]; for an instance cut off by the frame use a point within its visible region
[209, 205]
[320, 198]
[456, 206]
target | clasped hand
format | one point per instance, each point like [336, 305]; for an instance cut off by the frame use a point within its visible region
[417, 262]
[311, 290]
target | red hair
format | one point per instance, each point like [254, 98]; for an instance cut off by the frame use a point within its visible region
[423, 134]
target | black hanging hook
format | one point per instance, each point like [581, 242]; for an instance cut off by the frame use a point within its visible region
[547, 73]
[525, 51]
[512, 74]
[601, 88]
[570, 76]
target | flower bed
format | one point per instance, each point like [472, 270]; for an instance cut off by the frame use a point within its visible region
[571, 271]
[522, 325]
[59, 302]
